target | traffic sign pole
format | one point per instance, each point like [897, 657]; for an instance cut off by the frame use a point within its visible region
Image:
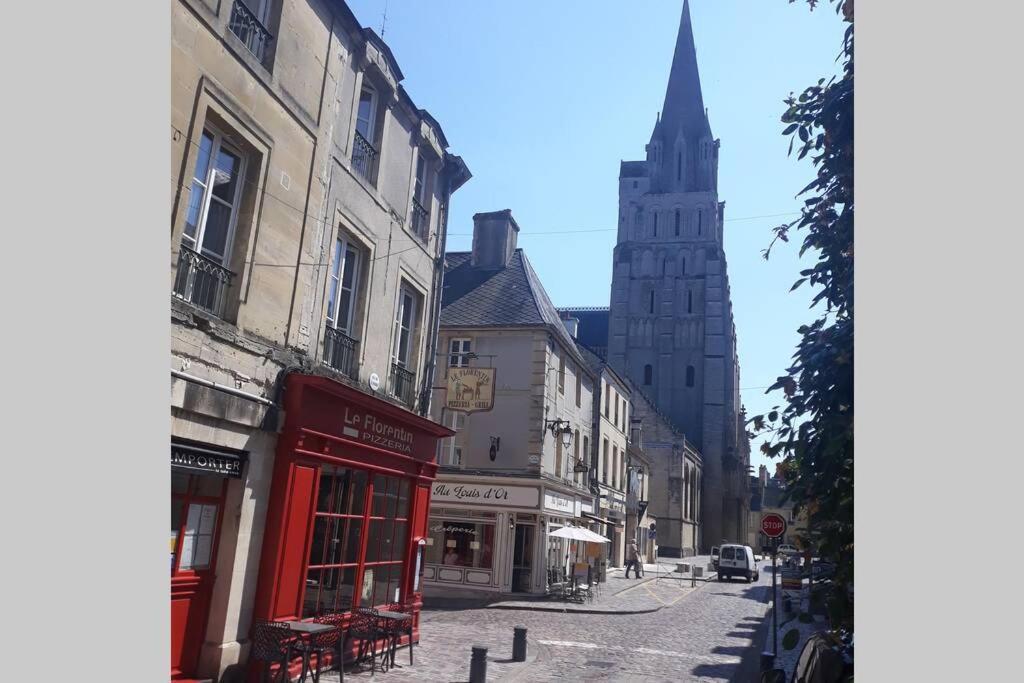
[775, 603]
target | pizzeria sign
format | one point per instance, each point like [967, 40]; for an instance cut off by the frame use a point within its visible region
[470, 390]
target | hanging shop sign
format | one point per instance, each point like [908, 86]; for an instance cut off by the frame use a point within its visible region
[484, 494]
[470, 390]
[206, 460]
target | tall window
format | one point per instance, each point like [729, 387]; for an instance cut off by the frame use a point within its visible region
[689, 301]
[405, 326]
[587, 456]
[654, 223]
[700, 220]
[210, 222]
[386, 538]
[648, 375]
[450, 453]
[616, 482]
[679, 171]
[677, 222]
[616, 410]
[682, 265]
[575, 455]
[364, 148]
[579, 387]
[343, 286]
[607, 391]
[689, 375]
[604, 462]
[459, 349]
[421, 198]
[561, 375]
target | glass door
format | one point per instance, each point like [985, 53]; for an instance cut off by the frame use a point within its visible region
[522, 558]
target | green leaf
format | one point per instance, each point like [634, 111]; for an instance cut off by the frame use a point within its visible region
[790, 128]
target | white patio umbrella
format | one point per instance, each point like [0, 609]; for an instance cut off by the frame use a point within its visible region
[578, 533]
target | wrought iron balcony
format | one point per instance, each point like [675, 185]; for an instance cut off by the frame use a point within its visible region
[403, 384]
[420, 220]
[244, 24]
[201, 281]
[364, 158]
[341, 352]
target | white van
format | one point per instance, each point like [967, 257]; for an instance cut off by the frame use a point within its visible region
[737, 560]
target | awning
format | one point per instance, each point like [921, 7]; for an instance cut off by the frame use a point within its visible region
[610, 522]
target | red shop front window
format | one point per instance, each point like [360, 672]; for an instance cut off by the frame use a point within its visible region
[359, 538]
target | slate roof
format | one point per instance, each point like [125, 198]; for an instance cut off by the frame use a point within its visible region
[507, 297]
[593, 328]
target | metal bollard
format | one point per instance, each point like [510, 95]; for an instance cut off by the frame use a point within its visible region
[478, 665]
[767, 661]
[519, 644]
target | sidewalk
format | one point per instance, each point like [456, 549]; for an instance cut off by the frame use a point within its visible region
[659, 587]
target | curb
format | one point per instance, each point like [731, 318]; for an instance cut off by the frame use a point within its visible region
[564, 610]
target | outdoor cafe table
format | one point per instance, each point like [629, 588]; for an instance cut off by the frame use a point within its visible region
[394, 616]
[305, 629]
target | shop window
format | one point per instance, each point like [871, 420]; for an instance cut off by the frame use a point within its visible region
[195, 511]
[343, 535]
[461, 544]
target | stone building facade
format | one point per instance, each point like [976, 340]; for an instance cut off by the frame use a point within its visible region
[671, 327]
[508, 476]
[309, 202]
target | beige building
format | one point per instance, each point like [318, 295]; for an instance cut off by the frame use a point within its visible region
[639, 524]
[309, 196]
[768, 496]
[513, 474]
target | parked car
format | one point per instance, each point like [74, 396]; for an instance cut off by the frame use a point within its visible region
[714, 556]
[737, 560]
[787, 549]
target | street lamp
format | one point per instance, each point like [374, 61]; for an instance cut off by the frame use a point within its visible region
[560, 429]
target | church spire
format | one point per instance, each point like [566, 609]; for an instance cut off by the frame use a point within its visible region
[684, 104]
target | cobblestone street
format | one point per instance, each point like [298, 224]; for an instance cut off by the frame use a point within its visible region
[713, 632]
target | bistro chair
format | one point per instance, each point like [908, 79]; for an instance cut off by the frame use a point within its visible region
[319, 644]
[272, 643]
[365, 627]
[396, 628]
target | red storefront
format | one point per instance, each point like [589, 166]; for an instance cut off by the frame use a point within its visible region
[348, 503]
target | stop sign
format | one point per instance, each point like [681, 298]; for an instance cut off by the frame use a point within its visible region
[773, 525]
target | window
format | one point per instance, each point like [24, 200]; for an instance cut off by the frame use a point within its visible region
[459, 349]
[575, 455]
[421, 198]
[403, 376]
[341, 529]
[561, 375]
[616, 410]
[682, 265]
[651, 303]
[586, 456]
[579, 388]
[195, 504]
[559, 471]
[606, 389]
[677, 222]
[460, 544]
[616, 482]
[405, 325]
[654, 224]
[700, 221]
[364, 148]
[203, 277]
[604, 463]
[251, 26]
[448, 452]
[689, 375]
[648, 375]
[689, 301]
[679, 173]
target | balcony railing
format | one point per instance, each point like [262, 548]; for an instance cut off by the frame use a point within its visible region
[403, 384]
[364, 158]
[420, 220]
[202, 282]
[341, 352]
[244, 24]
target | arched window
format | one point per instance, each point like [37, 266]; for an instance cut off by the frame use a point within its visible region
[689, 375]
[651, 305]
[679, 167]
[689, 301]
[700, 220]
[649, 375]
[677, 222]
[682, 265]
[654, 223]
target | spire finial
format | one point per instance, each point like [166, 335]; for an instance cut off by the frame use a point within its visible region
[684, 102]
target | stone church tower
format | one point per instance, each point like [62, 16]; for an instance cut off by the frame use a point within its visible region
[671, 327]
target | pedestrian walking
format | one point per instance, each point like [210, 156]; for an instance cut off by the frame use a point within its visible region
[633, 560]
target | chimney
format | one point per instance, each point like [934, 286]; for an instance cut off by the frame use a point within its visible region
[762, 475]
[494, 239]
[572, 324]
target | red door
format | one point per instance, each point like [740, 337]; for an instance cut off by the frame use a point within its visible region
[197, 503]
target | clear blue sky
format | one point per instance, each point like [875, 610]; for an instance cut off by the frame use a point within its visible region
[544, 99]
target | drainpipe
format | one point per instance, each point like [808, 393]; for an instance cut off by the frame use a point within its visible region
[221, 387]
